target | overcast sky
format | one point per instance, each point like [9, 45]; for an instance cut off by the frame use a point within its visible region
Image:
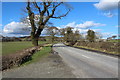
[99, 16]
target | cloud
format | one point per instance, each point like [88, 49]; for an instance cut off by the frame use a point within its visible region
[44, 32]
[89, 24]
[85, 30]
[106, 35]
[107, 5]
[0, 25]
[80, 30]
[21, 29]
[109, 14]
[85, 25]
[17, 28]
[72, 24]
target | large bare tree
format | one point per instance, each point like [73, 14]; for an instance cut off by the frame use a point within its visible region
[45, 11]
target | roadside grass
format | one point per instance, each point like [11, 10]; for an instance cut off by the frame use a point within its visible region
[97, 49]
[114, 41]
[39, 55]
[12, 47]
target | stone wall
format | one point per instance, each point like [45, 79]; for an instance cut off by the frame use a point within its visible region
[18, 58]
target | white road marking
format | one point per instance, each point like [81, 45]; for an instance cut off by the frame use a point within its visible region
[111, 57]
[85, 56]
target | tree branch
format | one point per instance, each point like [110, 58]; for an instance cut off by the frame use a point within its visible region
[44, 10]
[31, 18]
[59, 17]
[54, 8]
[35, 4]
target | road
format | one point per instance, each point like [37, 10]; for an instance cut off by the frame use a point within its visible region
[86, 64]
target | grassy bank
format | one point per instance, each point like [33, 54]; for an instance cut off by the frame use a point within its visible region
[111, 48]
[12, 47]
[107, 47]
[40, 54]
[108, 52]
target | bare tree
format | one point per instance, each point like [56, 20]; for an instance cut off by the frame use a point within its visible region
[98, 35]
[62, 33]
[52, 32]
[91, 35]
[77, 35]
[45, 11]
[69, 34]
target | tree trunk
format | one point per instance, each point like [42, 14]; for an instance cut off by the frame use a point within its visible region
[35, 41]
[35, 37]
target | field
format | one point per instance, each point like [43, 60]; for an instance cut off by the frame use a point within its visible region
[12, 47]
[114, 40]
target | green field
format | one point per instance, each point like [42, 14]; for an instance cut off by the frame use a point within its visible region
[12, 47]
[39, 55]
[114, 41]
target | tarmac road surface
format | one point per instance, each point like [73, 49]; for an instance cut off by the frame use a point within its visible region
[86, 64]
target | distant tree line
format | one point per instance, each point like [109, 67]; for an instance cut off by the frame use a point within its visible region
[68, 34]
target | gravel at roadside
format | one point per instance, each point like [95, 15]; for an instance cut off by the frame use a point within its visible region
[51, 66]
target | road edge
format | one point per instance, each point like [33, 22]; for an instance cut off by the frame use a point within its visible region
[99, 52]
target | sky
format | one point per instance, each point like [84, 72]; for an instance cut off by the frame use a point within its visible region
[99, 16]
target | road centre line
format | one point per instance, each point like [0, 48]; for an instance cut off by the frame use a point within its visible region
[85, 56]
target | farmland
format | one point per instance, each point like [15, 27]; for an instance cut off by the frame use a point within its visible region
[12, 47]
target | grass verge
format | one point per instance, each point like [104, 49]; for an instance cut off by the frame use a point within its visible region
[114, 53]
[113, 40]
[40, 54]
